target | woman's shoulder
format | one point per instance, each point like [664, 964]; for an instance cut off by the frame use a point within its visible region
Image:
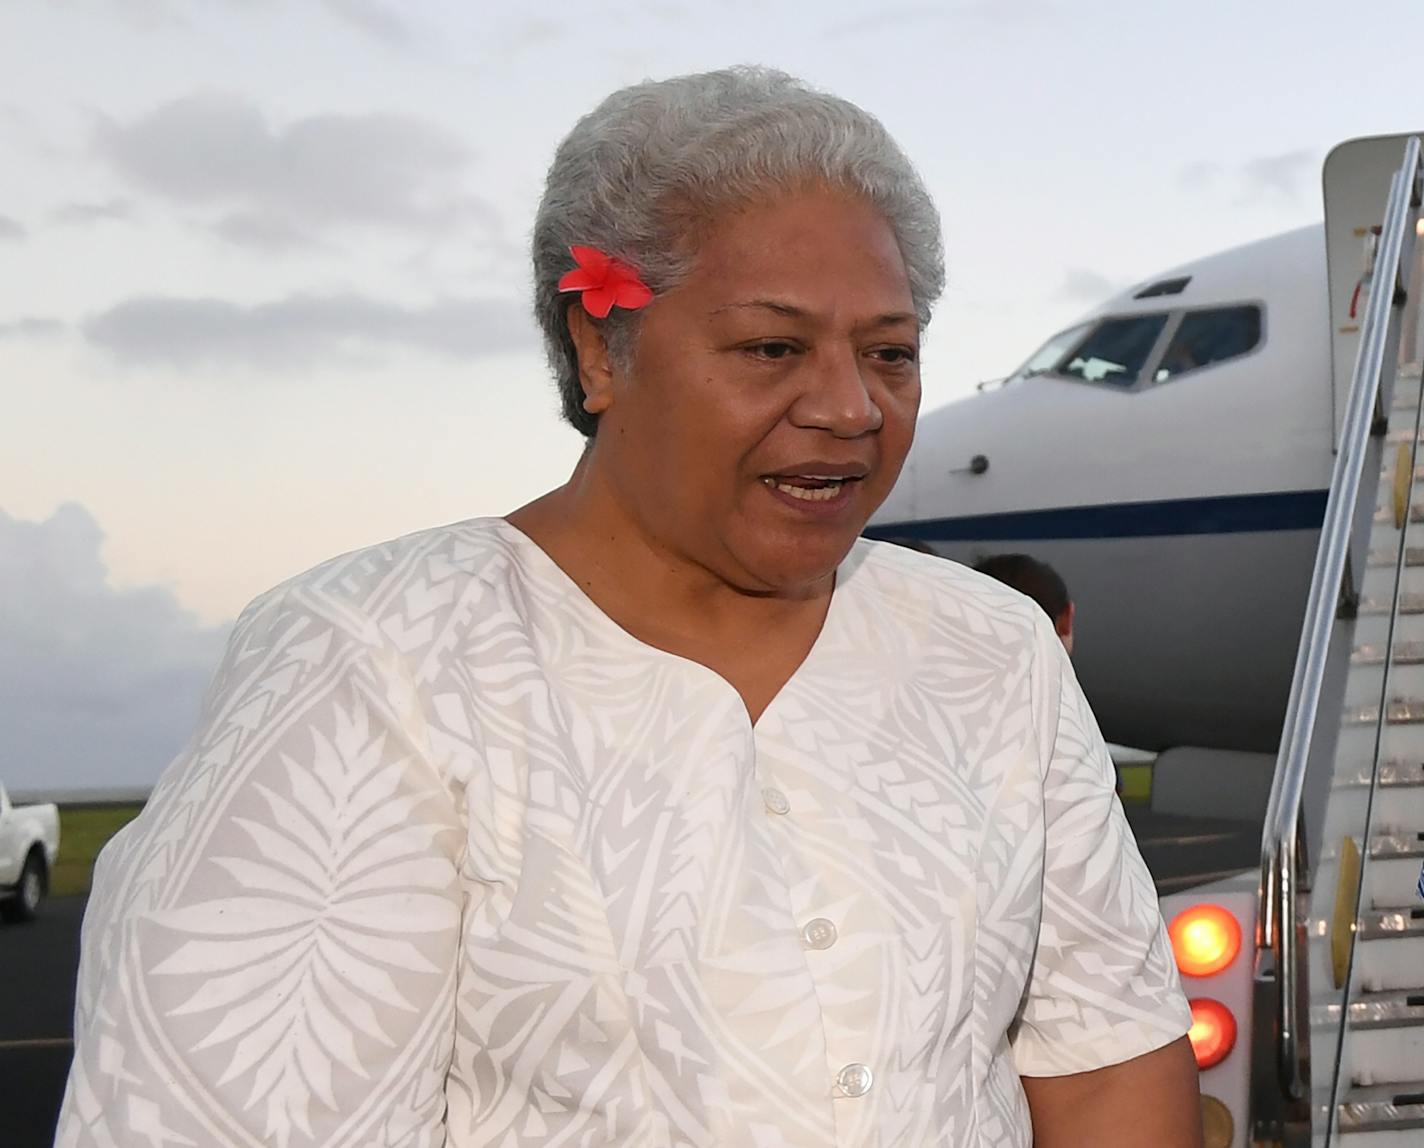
[409, 578]
[928, 590]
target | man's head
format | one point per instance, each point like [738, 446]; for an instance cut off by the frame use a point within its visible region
[1039, 581]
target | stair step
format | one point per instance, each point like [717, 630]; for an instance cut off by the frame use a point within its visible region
[1392, 875]
[1388, 556]
[1389, 953]
[1382, 1116]
[1386, 846]
[1384, 503]
[1400, 711]
[1392, 924]
[1387, 480]
[1398, 806]
[1409, 846]
[1393, 774]
[1392, 880]
[1405, 654]
[1387, 1037]
[1400, 1009]
[1408, 604]
[1384, 516]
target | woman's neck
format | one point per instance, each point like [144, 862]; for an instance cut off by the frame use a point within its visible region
[660, 596]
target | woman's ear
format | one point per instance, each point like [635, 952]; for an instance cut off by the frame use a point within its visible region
[595, 366]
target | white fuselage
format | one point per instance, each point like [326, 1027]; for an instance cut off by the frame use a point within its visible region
[1182, 513]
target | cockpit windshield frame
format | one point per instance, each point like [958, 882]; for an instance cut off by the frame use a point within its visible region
[1064, 346]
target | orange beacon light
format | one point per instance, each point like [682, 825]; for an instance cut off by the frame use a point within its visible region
[1205, 939]
[1213, 1032]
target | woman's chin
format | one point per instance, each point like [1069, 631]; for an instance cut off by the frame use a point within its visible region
[786, 563]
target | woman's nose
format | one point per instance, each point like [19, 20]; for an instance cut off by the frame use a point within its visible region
[837, 397]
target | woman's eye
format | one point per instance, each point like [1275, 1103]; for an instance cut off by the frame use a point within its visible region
[772, 350]
[895, 355]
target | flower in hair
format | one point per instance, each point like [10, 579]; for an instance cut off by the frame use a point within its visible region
[605, 283]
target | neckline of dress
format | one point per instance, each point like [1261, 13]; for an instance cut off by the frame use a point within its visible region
[839, 590]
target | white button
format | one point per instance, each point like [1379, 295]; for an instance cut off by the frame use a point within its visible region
[854, 1080]
[818, 933]
[776, 801]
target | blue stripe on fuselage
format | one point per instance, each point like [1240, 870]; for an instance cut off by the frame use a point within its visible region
[1229, 514]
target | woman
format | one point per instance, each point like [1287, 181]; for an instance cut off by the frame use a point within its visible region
[664, 811]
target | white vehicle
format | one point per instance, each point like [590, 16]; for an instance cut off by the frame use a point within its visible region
[29, 844]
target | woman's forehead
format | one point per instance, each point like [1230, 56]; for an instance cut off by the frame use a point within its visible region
[779, 252]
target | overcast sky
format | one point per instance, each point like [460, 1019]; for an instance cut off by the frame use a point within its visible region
[263, 294]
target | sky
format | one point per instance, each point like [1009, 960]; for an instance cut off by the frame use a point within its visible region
[263, 282]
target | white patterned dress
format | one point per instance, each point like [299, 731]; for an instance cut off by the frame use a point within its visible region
[453, 859]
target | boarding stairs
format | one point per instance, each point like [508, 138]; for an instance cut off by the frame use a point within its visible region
[1339, 1019]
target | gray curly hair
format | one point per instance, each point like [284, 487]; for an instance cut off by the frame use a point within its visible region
[640, 171]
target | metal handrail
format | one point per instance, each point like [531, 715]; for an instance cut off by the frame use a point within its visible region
[1281, 859]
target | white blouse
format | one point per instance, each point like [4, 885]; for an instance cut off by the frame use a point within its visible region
[453, 859]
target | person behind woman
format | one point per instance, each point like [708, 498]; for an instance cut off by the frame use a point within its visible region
[663, 811]
[1039, 581]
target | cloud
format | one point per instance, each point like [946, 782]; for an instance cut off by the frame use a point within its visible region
[31, 327]
[1199, 175]
[302, 330]
[220, 151]
[11, 229]
[977, 14]
[380, 20]
[886, 18]
[377, 20]
[1281, 175]
[99, 687]
[532, 33]
[146, 15]
[264, 232]
[81, 214]
[1081, 285]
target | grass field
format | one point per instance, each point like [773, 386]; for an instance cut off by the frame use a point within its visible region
[1136, 783]
[83, 829]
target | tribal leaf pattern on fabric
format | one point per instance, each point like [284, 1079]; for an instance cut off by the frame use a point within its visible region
[454, 860]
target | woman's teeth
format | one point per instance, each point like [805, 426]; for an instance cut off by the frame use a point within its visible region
[821, 493]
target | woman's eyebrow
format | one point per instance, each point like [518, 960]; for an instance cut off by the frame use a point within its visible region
[788, 310]
[893, 319]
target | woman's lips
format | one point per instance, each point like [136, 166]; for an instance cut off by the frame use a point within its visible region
[821, 495]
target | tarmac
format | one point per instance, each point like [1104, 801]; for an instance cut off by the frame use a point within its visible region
[38, 962]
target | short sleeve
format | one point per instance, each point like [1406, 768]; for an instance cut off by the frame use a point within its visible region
[269, 951]
[1103, 987]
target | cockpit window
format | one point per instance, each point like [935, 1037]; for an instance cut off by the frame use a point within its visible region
[1116, 350]
[1206, 337]
[1050, 354]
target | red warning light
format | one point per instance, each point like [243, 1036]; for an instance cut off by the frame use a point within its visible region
[1213, 1032]
[1205, 939]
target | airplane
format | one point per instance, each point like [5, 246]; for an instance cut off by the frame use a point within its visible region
[1170, 455]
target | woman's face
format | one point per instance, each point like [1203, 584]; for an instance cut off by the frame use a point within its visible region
[772, 395]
